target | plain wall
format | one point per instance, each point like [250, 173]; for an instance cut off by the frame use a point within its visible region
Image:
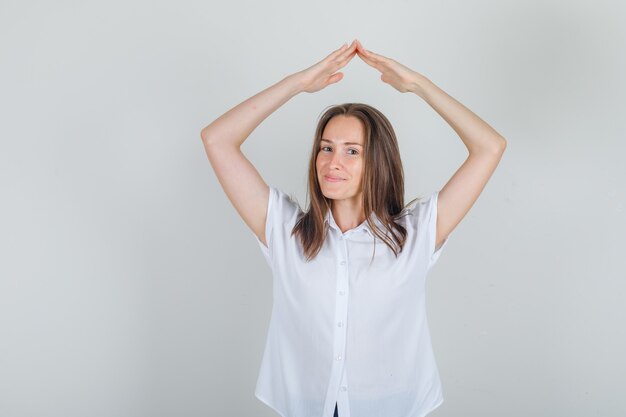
[129, 285]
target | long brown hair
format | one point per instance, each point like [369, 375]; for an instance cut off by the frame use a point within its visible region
[382, 182]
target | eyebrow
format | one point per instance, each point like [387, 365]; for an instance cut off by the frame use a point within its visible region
[345, 143]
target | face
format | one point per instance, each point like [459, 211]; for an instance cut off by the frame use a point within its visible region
[341, 160]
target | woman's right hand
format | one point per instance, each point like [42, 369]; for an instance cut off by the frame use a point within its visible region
[324, 72]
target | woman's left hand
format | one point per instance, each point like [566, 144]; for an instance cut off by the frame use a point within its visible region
[394, 73]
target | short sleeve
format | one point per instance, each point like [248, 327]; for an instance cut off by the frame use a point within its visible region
[269, 226]
[281, 212]
[426, 212]
[432, 226]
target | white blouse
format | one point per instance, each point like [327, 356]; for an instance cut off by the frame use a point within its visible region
[344, 331]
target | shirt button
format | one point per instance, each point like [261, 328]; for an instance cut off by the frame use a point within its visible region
[344, 388]
[341, 237]
[339, 357]
[342, 263]
[341, 292]
[339, 324]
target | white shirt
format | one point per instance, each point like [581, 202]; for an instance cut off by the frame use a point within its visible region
[343, 331]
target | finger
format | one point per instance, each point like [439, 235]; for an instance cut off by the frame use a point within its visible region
[370, 55]
[335, 78]
[365, 55]
[345, 59]
[370, 61]
[347, 52]
[364, 52]
[373, 61]
[374, 57]
[337, 52]
[341, 61]
[360, 48]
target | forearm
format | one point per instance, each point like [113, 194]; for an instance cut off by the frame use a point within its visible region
[234, 126]
[475, 133]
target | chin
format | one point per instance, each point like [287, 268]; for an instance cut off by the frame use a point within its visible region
[335, 194]
[329, 193]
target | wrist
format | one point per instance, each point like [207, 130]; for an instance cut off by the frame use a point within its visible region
[294, 82]
[420, 85]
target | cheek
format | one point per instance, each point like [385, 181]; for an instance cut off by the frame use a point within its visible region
[319, 164]
[360, 170]
[321, 160]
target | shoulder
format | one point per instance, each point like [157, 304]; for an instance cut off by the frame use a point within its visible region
[420, 208]
[282, 204]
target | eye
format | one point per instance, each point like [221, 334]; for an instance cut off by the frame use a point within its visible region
[324, 147]
[356, 152]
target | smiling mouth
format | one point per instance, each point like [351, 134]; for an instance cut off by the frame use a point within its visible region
[332, 179]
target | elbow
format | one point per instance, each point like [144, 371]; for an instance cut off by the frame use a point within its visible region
[203, 133]
[212, 140]
[501, 146]
[495, 148]
[205, 136]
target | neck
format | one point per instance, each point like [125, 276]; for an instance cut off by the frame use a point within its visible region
[348, 214]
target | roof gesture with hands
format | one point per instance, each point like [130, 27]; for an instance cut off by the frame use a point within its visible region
[249, 193]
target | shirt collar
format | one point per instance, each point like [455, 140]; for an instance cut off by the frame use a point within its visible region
[330, 220]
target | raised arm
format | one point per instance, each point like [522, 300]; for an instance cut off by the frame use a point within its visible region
[485, 147]
[222, 139]
[484, 144]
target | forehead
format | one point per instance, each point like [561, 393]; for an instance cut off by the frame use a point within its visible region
[343, 130]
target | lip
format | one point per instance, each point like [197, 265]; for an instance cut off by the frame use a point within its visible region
[332, 179]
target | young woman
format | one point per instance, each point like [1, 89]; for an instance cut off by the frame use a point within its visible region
[348, 334]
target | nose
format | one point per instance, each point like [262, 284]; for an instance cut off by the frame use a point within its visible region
[335, 161]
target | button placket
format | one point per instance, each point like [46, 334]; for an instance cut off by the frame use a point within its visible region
[341, 313]
[342, 395]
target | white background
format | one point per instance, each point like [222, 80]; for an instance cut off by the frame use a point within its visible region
[129, 285]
